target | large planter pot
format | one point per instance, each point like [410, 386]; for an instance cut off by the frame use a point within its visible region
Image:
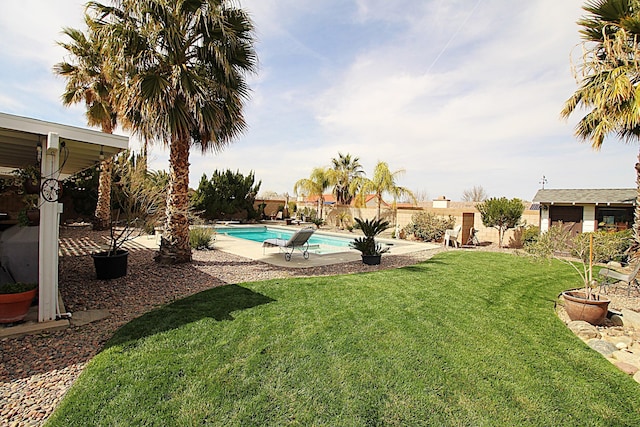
[371, 259]
[580, 308]
[110, 266]
[14, 307]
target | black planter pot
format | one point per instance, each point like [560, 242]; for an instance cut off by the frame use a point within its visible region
[371, 259]
[110, 266]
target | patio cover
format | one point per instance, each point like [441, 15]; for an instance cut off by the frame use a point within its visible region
[65, 150]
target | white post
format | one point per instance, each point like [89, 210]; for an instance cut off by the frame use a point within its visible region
[49, 231]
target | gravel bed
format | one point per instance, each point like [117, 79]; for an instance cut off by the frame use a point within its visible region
[37, 370]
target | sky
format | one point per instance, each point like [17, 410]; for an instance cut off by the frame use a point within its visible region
[457, 93]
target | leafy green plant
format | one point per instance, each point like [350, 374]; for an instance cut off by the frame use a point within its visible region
[367, 244]
[201, 237]
[16, 288]
[428, 226]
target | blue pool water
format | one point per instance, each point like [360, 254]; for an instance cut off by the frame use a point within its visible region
[318, 243]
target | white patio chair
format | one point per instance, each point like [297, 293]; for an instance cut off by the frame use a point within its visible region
[452, 236]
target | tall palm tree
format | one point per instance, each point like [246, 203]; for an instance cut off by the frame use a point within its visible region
[87, 81]
[384, 182]
[347, 174]
[315, 185]
[183, 64]
[609, 78]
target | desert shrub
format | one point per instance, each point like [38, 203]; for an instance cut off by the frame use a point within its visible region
[428, 226]
[201, 237]
[618, 244]
[530, 234]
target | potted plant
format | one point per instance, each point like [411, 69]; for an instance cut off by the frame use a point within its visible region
[370, 249]
[15, 300]
[138, 202]
[29, 178]
[580, 252]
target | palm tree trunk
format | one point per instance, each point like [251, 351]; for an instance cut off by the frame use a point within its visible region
[634, 252]
[103, 207]
[174, 245]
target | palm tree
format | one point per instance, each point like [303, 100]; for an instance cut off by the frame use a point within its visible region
[608, 79]
[183, 64]
[315, 185]
[87, 81]
[347, 177]
[384, 182]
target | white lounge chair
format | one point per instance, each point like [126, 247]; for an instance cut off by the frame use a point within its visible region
[299, 241]
[452, 236]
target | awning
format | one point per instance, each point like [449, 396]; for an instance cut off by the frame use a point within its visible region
[64, 150]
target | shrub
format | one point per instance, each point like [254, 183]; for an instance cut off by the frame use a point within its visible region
[201, 237]
[428, 226]
[618, 244]
[530, 234]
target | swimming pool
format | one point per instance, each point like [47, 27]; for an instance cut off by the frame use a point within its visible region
[318, 243]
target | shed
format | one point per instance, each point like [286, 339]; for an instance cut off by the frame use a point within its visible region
[587, 210]
[62, 151]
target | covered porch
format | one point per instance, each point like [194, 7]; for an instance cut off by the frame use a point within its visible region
[59, 151]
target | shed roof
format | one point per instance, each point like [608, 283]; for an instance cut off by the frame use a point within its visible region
[622, 196]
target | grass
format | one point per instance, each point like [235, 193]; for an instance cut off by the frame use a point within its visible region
[465, 339]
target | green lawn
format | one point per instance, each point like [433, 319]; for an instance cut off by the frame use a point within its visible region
[465, 339]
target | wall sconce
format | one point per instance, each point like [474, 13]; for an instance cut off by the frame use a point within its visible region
[545, 208]
[39, 152]
[101, 156]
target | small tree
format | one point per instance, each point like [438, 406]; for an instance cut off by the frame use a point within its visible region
[501, 214]
[226, 193]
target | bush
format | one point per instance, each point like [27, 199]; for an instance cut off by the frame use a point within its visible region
[428, 226]
[618, 244]
[201, 237]
[530, 234]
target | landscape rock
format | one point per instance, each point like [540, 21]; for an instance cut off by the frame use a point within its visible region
[627, 368]
[622, 341]
[627, 356]
[631, 318]
[603, 347]
[583, 329]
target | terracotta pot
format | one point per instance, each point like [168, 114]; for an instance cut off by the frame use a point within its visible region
[14, 307]
[589, 310]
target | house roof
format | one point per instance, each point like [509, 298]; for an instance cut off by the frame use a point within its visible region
[20, 137]
[620, 196]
